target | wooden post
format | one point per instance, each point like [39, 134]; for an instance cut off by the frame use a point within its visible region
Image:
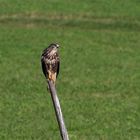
[58, 112]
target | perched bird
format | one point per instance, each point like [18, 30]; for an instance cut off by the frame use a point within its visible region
[51, 62]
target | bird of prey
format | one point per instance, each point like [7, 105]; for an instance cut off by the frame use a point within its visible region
[51, 62]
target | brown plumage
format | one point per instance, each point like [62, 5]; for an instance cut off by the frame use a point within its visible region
[51, 62]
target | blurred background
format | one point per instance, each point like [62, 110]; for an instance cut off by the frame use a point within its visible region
[99, 81]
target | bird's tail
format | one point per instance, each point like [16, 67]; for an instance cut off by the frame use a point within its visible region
[48, 88]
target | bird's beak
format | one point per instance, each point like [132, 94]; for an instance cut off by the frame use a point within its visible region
[57, 45]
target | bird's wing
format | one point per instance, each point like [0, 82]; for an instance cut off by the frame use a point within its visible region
[58, 67]
[44, 67]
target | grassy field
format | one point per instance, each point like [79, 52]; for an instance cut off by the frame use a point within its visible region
[99, 81]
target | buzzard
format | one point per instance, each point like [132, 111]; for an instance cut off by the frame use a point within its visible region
[51, 62]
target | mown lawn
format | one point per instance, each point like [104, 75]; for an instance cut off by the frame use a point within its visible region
[99, 81]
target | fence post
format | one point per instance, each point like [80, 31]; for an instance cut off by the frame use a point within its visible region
[58, 112]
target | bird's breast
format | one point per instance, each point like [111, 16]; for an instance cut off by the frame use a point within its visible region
[53, 52]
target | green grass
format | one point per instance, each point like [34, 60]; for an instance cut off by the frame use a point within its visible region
[99, 79]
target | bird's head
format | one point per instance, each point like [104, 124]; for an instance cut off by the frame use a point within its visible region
[54, 46]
